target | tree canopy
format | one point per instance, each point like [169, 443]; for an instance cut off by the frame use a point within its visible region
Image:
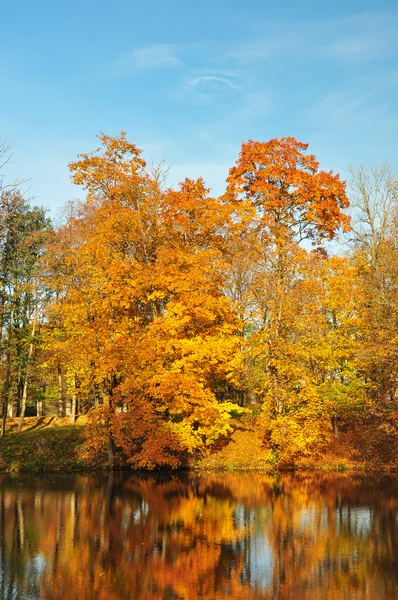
[173, 317]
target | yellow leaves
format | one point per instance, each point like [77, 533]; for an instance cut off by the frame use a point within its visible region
[227, 408]
[189, 438]
[155, 295]
[173, 299]
[109, 172]
[196, 418]
[296, 437]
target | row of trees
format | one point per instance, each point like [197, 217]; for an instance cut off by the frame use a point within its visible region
[162, 310]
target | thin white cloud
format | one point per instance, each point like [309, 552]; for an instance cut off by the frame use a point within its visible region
[208, 82]
[363, 37]
[257, 51]
[359, 37]
[360, 47]
[157, 56]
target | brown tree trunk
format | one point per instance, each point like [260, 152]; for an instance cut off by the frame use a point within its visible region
[74, 403]
[111, 451]
[6, 392]
[25, 385]
[110, 443]
[7, 382]
[3, 419]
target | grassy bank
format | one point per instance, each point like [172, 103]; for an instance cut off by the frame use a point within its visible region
[51, 444]
[351, 452]
[45, 444]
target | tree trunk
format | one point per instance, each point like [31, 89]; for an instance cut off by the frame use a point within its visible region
[6, 392]
[20, 388]
[61, 395]
[74, 403]
[25, 385]
[23, 404]
[39, 407]
[110, 443]
[3, 419]
[111, 451]
[7, 382]
[335, 427]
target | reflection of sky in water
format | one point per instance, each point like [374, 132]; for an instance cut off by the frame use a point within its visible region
[355, 518]
[167, 537]
[38, 565]
[259, 559]
[313, 518]
[307, 518]
[140, 513]
[34, 570]
[260, 562]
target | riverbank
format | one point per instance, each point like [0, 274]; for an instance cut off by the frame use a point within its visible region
[45, 444]
[50, 444]
[245, 451]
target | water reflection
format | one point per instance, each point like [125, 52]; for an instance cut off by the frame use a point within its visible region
[175, 537]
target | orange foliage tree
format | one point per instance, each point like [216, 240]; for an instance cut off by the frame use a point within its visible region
[169, 304]
[139, 320]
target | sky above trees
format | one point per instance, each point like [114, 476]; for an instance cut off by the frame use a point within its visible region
[191, 82]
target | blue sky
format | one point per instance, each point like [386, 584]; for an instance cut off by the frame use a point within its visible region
[191, 81]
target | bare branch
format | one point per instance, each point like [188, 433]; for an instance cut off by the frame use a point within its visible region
[374, 206]
[5, 159]
[160, 171]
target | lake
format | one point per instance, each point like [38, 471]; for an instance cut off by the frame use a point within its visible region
[187, 536]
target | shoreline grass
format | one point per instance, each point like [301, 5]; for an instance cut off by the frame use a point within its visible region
[51, 444]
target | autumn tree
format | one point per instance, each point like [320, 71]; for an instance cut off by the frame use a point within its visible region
[96, 259]
[283, 190]
[280, 198]
[23, 231]
[169, 303]
[375, 256]
[139, 319]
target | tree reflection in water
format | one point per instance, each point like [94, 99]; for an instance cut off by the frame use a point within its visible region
[216, 536]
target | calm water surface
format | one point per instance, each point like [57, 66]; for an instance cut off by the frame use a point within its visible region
[301, 536]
